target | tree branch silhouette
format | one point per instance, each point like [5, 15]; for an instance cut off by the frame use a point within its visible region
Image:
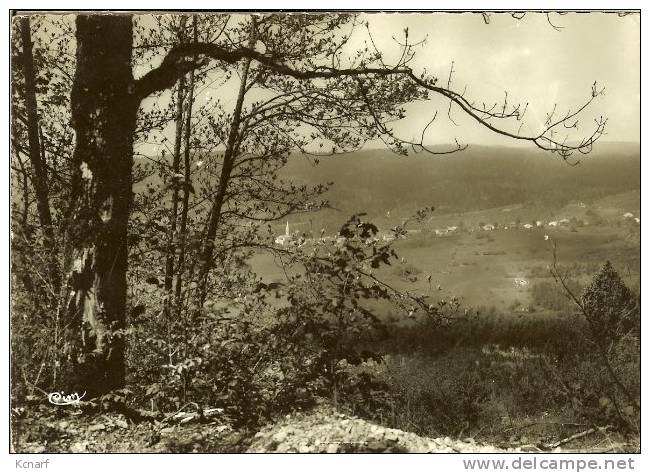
[185, 57]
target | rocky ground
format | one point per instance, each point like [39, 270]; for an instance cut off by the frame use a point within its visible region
[325, 431]
[322, 430]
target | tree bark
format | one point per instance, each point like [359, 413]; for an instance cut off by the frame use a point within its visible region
[170, 269]
[104, 111]
[186, 190]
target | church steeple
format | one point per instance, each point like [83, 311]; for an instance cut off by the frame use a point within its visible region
[286, 230]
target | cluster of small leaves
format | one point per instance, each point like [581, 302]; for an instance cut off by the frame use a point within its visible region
[231, 356]
[331, 303]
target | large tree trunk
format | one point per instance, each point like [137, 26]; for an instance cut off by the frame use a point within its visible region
[104, 110]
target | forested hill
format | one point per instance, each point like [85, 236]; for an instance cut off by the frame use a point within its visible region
[480, 177]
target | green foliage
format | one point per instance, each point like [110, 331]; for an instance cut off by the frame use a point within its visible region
[257, 349]
[463, 391]
[610, 308]
[330, 303]
[486, 371]
[614, 320]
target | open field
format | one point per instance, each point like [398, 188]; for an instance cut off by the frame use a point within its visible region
[497, 268]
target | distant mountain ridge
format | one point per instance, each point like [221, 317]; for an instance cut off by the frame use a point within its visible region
[376, 181]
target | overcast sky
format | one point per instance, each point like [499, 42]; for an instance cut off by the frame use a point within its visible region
[532, 61]
[529, 58]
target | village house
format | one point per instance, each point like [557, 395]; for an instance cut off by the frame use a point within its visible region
[386, 236]
[285, 239]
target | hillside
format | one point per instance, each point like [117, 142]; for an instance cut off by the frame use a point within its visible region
[378, 181]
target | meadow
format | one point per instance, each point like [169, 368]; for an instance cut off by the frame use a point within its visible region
[486, 268]
[514, 367]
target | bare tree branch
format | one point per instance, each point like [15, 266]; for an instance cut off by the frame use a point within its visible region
[185, 57]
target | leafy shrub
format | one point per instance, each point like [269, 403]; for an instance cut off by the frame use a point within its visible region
[464, 391]
[331, 302]
[610, 307]
[607, 354]
[269, 348]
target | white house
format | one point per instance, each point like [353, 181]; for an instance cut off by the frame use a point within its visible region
[552, 224]
[384, 235]
[488, 227]
[528, 226]
[628, 215]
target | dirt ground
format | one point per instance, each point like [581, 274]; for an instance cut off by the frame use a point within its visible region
[320, 431]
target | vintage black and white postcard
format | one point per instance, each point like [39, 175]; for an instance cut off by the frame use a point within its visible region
[325, 232]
